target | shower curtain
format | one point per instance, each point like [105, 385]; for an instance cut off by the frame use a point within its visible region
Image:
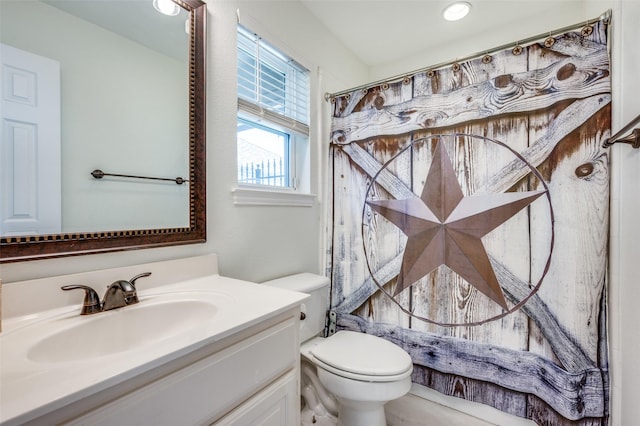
[469, 224]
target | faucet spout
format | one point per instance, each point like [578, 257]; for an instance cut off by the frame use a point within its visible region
[122, 293]
[128, 289]
[117, 295]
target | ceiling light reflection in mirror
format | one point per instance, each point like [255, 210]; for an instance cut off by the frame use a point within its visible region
[166, 7]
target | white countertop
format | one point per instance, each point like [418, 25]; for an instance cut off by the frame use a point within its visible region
[30, 389]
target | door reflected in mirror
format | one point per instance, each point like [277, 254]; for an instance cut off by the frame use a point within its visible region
[108, 85]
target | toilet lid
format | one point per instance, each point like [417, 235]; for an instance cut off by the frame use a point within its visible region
[362, 353]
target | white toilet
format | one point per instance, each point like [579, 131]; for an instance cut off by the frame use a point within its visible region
[362, 372]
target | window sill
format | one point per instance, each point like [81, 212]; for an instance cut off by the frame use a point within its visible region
[249, 196]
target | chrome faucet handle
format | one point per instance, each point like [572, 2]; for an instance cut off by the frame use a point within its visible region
[91, 304]
[134, 299]
[142, 275]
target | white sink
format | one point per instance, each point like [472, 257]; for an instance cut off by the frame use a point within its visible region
[130, 327]
[54, 362]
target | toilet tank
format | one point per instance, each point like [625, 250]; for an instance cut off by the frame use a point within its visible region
[315, 308]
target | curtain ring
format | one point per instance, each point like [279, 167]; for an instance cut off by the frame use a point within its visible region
[431, 73]
[406, 79]
[365, 91]
[385, 86]
[517, 50]
[549, 41]
[347, 97]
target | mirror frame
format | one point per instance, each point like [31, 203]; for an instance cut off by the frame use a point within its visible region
[33, 247]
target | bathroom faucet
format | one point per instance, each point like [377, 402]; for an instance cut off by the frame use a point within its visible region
[119, 293]
[122, 293]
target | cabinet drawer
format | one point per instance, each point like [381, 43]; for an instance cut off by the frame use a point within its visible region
[209, 388]
[276, 405]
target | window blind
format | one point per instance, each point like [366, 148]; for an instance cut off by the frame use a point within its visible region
[270, 84]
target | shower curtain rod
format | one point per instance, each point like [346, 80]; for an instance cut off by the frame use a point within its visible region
[606, 16]
[633, 139]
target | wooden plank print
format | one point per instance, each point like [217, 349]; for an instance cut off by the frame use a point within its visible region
[469, 224]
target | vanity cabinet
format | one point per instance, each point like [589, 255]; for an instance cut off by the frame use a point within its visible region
[199, 349]
[253, 381]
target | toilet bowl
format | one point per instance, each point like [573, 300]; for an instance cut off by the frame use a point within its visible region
[362, 372]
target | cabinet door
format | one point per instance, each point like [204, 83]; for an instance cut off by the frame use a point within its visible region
[277, 405]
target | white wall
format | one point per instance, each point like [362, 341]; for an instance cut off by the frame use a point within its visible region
[566, 13]
[252, 243]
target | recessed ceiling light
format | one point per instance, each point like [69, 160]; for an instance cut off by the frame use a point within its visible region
[456, 11]
[166, 7]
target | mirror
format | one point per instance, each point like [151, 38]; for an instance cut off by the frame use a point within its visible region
[140, 112]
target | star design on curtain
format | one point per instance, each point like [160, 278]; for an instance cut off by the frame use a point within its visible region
[445, 228]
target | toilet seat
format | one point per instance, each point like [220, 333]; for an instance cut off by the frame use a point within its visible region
[362, 357]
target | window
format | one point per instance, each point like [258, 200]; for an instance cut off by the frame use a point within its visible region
[273, 116]
[263, 154]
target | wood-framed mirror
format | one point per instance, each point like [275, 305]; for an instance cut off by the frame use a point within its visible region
[75, 234]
